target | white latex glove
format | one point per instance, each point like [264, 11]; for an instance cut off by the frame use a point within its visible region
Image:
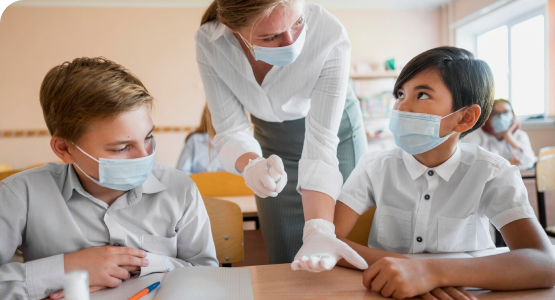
[265, 177]
[322, 249]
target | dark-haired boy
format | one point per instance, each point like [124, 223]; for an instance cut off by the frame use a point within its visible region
[433, 194]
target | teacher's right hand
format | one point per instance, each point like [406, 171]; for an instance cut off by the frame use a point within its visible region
[265, 177]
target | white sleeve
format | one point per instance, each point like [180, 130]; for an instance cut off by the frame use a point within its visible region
[358, 192]
[32, 280]
[319, 166]
[526, 156]
[506, 198]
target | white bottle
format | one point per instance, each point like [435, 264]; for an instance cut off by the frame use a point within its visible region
[76, 285]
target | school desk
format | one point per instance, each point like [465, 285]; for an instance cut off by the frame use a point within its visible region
[277, 282]
[247, 204]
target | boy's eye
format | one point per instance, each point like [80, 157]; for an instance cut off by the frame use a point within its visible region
[422, 95]
[122, 149]
[149, 137]
[270, 39]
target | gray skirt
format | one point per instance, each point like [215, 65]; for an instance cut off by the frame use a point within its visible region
[281, 218]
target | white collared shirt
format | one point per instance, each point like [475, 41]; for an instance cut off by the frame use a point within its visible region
[45, 212]
[501, 147]
[443, 209]
[313, 86]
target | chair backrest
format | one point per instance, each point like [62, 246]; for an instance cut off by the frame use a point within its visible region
[361, 231]
[226, 221]
[214, 184]
[546, 151]
[545, 173]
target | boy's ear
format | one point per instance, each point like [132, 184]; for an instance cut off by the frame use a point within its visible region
[61, 146]
[469, 118]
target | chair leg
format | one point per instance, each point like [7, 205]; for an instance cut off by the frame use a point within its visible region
[226, 265]
[541, 209]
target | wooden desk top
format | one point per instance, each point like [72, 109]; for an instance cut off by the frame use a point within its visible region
[279, 282]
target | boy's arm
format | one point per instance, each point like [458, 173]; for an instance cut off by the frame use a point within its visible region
[195, 245]
[529, 264]
[35, 279]
[345, 219]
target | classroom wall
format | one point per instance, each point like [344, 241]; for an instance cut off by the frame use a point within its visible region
[157, 45]
[551, 56]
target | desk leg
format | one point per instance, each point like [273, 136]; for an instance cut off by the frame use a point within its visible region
[541, 209]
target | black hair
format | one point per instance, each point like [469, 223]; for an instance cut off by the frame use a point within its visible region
[470, 80]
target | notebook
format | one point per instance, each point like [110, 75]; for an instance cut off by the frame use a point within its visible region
[187, 283]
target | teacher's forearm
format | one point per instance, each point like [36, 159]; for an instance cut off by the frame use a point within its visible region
[243, 161]
[317, 205]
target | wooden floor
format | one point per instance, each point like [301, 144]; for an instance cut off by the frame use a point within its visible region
[255, 251]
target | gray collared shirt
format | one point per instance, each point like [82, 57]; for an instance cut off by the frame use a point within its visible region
[45, 212]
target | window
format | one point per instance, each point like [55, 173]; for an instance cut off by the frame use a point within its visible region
[515, 53]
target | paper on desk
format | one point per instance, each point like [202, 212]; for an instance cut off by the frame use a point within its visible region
[129, 288]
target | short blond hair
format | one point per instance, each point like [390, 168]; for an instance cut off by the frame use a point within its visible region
[74, 94]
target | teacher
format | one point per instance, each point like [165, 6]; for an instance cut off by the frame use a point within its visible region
[287, 63]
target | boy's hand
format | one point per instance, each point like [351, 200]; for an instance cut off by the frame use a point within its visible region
[107, 265]
[448, 293]
[61, 294]
[400, 278]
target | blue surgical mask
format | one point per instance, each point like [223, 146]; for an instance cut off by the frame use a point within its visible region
[122, 174]
[278, 56]
[417, 133]
[502, 122]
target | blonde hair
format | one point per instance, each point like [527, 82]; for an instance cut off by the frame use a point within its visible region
[237, 14]
[74, 94]
[205, 125]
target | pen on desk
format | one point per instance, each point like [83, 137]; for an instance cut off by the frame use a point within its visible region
[145, 291]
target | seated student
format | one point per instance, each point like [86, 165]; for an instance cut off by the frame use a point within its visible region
[433, 194]
[198, 154]
[501, 135]
[110, 209]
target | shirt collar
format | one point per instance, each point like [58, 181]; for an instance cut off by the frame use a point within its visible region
[445, 170]
[151, 186]
[218, 32]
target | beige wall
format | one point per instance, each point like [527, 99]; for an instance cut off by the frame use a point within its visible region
[551, 55]
[465, 8]
[157, 45]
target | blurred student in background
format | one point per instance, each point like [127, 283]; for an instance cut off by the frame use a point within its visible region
[501, 135]
[198, 154]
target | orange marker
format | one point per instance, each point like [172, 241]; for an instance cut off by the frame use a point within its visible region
[145, 291]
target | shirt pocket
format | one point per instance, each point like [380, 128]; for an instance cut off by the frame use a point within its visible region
[394, 228]
[456, 235]
[159, 244]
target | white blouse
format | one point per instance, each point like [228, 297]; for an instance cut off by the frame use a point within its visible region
[489, 142]
[314, 86]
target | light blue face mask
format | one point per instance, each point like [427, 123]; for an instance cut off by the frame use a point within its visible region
[122, 174]
[502, 122]
[279, 56]
[417, 133]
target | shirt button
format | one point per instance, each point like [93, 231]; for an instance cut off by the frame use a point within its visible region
[419, 239]
[431, 173]
[427, 197]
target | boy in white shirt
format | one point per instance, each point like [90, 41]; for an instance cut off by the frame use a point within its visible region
[433, 194]
[110, 209]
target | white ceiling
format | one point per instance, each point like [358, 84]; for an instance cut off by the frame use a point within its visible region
[372, 4]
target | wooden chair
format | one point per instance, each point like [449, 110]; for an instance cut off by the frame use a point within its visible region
[361, 231]
[545, 182]
[221, 184]
[226, 221]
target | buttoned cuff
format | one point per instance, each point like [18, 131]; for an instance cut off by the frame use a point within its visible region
[316, 175]
[513, 214]
[156, 264]
[45, 276]
[353, 203]
[235, 148]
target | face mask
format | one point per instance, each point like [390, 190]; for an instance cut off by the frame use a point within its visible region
[417, 133]
[502, 122]
[122, 174]
[278, 56]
